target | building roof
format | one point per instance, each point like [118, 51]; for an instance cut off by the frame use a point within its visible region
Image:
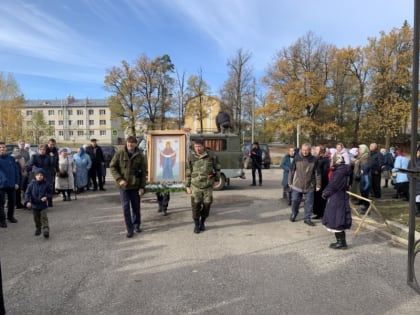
[68, 102]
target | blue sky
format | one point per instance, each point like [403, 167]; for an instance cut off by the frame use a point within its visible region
[55, 48]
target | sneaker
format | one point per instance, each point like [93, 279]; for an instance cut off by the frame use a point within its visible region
[37, 232]
[12, 220]
[137, 228]
[46, 234]
[130, 234]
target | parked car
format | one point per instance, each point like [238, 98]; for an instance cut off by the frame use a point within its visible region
[266, 159]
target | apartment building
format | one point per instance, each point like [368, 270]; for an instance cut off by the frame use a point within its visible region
[72, 121]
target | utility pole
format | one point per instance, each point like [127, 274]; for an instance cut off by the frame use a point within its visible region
[253, 113]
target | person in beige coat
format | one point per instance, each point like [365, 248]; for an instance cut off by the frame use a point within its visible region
[64, 179]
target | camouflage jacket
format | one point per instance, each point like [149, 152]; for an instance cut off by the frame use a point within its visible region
[202, 170]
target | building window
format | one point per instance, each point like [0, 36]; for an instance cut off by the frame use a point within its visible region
[102, 122]
[102, 132]
[91, 122]
[61, 133]
[51, 112]
[91, 132]
[28, 113]
[60, 112]
[69, 122]
[70, 112]
[70, 132]
[80, 122]
[61, 122]
[79, 112]
[80, 133]
[102, 112]
[51, 122]
[90, 111]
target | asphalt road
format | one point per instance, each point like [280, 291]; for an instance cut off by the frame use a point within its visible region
[250, 260]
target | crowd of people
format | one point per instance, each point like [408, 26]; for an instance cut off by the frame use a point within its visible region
[29, 180]
[321, 178]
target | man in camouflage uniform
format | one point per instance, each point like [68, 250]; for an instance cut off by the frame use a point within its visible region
[203, 168]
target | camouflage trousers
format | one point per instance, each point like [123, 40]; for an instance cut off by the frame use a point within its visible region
[201, 199]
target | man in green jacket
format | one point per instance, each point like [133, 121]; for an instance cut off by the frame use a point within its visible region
[129, 169]
[203, 168]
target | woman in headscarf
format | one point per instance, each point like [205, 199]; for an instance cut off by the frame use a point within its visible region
[64, 180]
[337, 215]
[83, 165]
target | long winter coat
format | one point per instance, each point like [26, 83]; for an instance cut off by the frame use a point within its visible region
[337, 215]
[286, 162]
[65, 164]
[83, 165]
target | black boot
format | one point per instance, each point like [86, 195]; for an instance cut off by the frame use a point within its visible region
[202, 226]
[64, 195]
[341, 241]
[290, 197]
[68, 195]
[196, 226]
[159, 200]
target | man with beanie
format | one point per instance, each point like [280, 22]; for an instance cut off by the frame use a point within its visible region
[203, 168]
[304, 180]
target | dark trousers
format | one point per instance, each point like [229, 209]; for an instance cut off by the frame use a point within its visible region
[95, 175]
[376, 184]
[254, 170]
[130, 201]
[11, 199]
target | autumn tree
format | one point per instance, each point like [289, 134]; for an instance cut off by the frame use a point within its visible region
[237, 91]
[140, 92]
[38, 130]
[298, 90]
[11, 104]
[198, 101]
[390, 60]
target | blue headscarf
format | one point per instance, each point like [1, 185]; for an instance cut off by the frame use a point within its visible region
[82, 151]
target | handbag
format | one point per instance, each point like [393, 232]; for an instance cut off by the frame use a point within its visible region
[63, 174]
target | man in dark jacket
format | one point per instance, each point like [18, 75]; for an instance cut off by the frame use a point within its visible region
[375, 162]
[223, 122]
[304, 180]
[129, 169]
[256, 158]
[285, 164]
[97, 157]
[9, 183]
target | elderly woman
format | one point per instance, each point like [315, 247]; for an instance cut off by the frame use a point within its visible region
[64, 180]
[337, 217]
[83, 165]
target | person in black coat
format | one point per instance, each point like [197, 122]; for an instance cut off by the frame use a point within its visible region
[256, 158]
[45, 161]
[223, 122]
[97, 157]
[323, 170]
[337, 215]
[285, 164]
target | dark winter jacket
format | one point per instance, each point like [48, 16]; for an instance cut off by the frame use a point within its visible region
[303, 175]
[35, 191]
[375, 162]
[96, 155]
[285, 166]
[337, 213]
[44, 161]
[9, 172]
[131, 169]
[256, 157]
